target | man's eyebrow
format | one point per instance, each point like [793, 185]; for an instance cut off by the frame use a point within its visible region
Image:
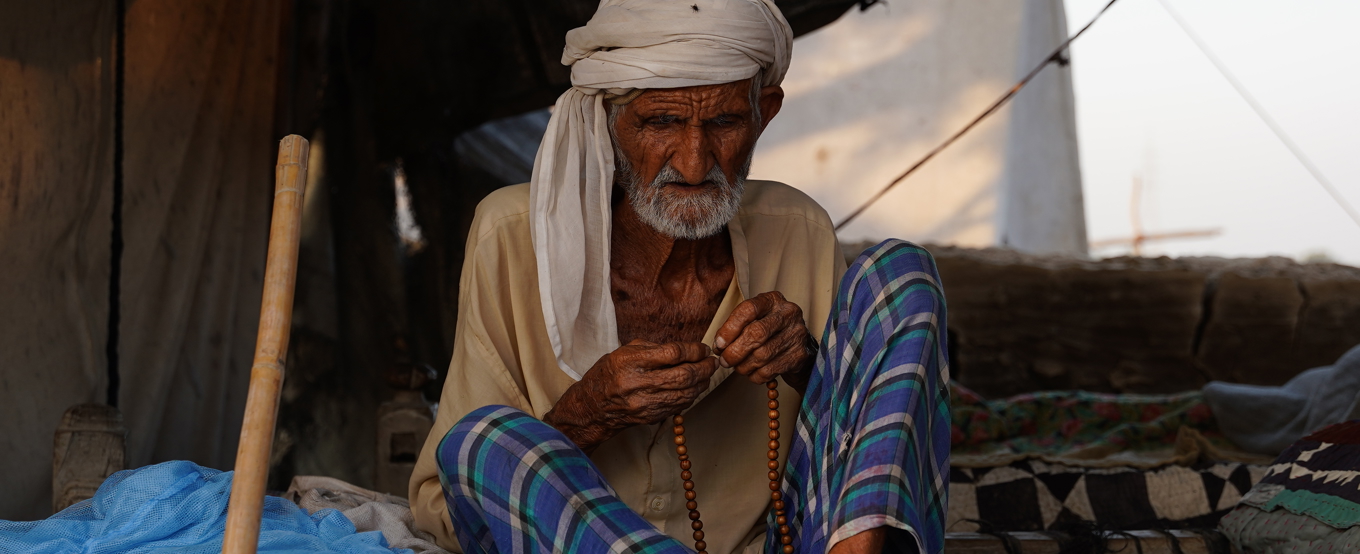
[728, 115]
[657, 107]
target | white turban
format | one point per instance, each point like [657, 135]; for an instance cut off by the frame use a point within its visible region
[627, 45]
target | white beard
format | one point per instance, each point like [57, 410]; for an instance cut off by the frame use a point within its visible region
[692, 216]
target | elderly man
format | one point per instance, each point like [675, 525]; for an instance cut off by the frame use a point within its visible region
[591, 403]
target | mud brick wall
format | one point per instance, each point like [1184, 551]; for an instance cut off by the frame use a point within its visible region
[1021, 323]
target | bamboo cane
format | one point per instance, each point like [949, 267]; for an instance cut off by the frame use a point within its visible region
[271, 346]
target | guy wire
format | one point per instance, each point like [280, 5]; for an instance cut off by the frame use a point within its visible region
[1056, 55]
[1263, 114]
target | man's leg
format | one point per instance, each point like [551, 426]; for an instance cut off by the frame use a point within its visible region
[515, 484]
[872, 444]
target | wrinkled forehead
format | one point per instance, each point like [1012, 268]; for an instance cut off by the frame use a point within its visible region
[726, 97]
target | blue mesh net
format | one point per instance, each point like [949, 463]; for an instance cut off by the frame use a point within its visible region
[179, 507]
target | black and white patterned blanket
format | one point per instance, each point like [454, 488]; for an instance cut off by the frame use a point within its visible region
[1032, 495]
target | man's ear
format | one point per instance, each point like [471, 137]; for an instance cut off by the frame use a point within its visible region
[771, 99]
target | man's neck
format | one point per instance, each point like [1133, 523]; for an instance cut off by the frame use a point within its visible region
[641, 255]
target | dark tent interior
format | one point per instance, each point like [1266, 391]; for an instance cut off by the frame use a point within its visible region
[378, 86]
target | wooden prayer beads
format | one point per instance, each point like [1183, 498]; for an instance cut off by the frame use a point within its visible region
[776, 498]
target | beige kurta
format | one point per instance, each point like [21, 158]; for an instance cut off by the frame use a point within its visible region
[781, 240]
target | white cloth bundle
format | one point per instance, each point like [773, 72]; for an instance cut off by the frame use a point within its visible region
[627, 45]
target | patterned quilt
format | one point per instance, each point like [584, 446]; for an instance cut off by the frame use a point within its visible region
[1047, 460]
[1032, 495]
[1308, 501]
[1318, 476]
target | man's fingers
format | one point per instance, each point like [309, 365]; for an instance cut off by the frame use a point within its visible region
[752, 337]
[654, 404]
[704, 369]
[654, 407]
[772, 357]
[685, 376]
[744, 314]
[690, 352]
[783, 322]
[780, 363]
[654, 356]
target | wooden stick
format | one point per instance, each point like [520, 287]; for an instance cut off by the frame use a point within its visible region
[271, 347]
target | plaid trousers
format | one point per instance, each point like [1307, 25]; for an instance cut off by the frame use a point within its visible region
[871, 447]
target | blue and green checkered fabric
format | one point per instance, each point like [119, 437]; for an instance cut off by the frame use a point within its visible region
[871, 447]
[516, 484]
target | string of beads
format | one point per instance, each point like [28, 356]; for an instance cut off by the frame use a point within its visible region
[691, 502]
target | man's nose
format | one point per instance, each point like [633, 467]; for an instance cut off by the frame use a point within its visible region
[693, 158]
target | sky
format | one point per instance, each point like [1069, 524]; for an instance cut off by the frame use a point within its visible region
[1150, 105]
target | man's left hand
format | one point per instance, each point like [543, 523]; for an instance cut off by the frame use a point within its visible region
[765, 337]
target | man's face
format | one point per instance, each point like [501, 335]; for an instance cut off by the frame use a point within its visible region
[685, 153]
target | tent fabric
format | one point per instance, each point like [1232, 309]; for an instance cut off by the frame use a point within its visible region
[55, 156]
[873, 92]
[180, 507]
[199, 159]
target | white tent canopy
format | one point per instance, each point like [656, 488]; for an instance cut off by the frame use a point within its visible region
[871, 93]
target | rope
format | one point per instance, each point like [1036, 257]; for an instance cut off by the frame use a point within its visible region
[1055, 56]
[1265, 116]
[116, 246]
[1008, 543]
[1171, 540]
[1089, 537]
[1215, 542]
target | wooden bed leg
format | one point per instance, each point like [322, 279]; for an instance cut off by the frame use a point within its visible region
[271, 348]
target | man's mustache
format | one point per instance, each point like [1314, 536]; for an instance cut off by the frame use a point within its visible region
[671, 176]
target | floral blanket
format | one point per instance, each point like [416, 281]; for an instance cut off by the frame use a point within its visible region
[1139, 430]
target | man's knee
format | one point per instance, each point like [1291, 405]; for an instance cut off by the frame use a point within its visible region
[479, 429]
[893, 271]
[893, 291]
[896, 256]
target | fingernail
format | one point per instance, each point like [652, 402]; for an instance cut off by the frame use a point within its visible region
[720, 343]
[722, 363]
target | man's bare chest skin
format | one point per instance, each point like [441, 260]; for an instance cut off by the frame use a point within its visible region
[675, 312]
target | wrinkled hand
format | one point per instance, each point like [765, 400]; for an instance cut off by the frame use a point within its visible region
[639, 383]
[765, 337]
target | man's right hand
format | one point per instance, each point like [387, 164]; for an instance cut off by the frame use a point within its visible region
[639, 383]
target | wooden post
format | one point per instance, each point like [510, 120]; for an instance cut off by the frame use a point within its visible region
[271, 348]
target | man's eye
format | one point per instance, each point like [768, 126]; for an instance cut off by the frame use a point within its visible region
[662, 120]
[724, 120]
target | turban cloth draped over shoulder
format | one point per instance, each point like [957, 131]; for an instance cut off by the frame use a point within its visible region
[628, 45]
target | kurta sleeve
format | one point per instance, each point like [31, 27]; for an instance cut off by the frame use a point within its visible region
[484, 369]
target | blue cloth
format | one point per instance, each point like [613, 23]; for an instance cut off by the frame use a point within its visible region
[871, 447]
[1266, 420]
[180, 507]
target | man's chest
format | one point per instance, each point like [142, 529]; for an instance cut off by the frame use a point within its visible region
[667, 313]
